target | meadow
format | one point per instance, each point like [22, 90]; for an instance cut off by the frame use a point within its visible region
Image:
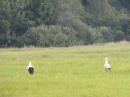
[66, 72]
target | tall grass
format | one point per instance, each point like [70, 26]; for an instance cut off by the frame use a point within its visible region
[65, 72]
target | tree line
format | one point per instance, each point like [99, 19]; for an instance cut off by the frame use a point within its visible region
[63, 23]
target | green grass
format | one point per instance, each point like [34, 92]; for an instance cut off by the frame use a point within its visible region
[65, 72]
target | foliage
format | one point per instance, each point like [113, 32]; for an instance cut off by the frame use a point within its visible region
[119, 35]
[91, 21]
[50, 36]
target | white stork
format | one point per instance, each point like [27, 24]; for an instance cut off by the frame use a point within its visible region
[107, 66]
[30, 68]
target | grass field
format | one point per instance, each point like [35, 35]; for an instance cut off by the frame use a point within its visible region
[66, 72]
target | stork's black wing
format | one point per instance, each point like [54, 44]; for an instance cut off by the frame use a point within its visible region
[31, 70]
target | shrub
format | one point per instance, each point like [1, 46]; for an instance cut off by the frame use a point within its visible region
[119, 35]
[102, 34]
[47, 36]
[32, 37]
[106, 33]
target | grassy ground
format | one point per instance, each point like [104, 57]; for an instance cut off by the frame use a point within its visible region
[66, 72]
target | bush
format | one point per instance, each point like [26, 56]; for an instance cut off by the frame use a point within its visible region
[32, 37]
[128, 37]
[102, 35]
[119, 35]
[97, 36]
[47, 36]
[106, 33]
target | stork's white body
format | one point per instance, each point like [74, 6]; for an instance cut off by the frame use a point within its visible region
[107, 66]
[30, 65]
[30, 68]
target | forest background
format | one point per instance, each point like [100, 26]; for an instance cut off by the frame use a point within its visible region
[63, 23]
